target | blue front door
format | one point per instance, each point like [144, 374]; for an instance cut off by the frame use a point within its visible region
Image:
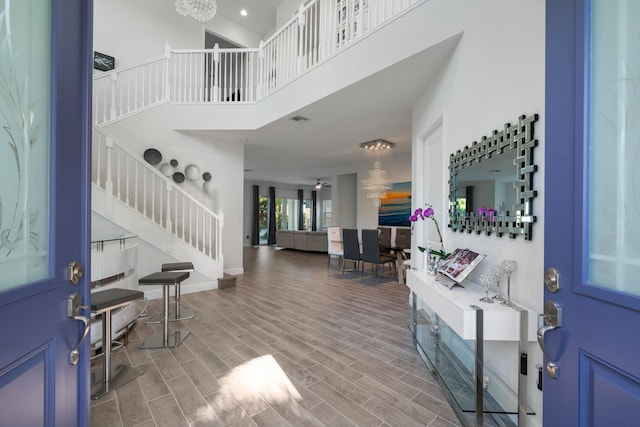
[592, 211]
[45, 72]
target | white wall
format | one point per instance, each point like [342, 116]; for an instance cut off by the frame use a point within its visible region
[496, 75]
[286, 11]
[223, 159]
[134, 31]
[345, 202]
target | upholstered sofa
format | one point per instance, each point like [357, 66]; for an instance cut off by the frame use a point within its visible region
[315, 241]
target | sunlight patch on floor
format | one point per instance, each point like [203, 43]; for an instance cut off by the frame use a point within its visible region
[256, 382]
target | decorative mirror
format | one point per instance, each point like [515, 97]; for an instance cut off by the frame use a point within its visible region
[491, 183]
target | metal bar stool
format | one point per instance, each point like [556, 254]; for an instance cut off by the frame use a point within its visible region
[103, 303]
[165, 339]
[177, 313]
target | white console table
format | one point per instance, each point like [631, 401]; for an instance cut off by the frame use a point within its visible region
[443, 321]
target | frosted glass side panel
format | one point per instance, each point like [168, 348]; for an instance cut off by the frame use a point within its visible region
[24, 141]
[614, 175]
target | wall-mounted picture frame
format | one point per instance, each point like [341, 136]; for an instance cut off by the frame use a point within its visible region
[395, 209]
[103, 62]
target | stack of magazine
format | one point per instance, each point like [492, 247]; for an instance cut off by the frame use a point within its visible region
[458, 266]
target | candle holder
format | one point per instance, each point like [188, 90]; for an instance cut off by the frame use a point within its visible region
[496, 274]
[486, 280]
[508, 266]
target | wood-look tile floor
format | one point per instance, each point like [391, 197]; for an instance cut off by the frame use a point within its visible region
[293, 344]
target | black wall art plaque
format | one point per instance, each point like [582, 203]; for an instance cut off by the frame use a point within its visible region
[103, 62]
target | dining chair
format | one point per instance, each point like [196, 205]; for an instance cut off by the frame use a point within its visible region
[351, 248]
[403, 238]
[384, 237]
[371, 252]
[334, 246]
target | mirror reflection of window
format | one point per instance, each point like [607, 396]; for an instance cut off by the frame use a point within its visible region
[461, 206]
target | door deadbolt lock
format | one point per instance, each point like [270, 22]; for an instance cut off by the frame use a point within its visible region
[552, 279]
[74, 272]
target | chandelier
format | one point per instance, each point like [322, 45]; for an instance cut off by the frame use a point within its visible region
[377, 182]
[202, 10]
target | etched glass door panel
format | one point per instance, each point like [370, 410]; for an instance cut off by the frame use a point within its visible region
[614, 110]
[24, 141]
[45, 122]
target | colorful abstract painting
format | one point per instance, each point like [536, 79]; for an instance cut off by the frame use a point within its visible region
[395, 209]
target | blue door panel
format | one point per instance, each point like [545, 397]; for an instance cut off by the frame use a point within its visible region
[608, 395]
[597, 348]
[38, 385]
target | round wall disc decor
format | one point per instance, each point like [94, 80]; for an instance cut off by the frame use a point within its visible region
[178, 177]
[207, 186]
[192, 172]
[174, 163]
[206, 176]
[152, 156]
[166, 169]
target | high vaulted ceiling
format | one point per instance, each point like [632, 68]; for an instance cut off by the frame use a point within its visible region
[261, 14]
[380, 106]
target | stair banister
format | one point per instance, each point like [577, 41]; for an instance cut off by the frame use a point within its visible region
[317, 31]
[202, 223]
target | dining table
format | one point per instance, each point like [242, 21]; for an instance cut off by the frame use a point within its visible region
[402, 253]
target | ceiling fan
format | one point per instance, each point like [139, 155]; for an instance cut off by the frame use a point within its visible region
[319, 184]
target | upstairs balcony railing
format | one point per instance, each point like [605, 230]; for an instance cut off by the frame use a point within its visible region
[319, 30]
[126, 178]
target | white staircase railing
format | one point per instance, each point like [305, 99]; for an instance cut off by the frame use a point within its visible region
[319, 30]
[126, 177]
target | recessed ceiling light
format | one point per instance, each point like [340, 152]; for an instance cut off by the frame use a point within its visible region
[243, 12]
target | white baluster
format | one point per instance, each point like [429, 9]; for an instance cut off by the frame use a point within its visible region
[167, 60]
[135, 188]
[190, 223]
[169, 224]
[235, 78]
[184, 220]
[153, 198]
[118, 178]
[211, 223]
[197, 230]
[261, 69]
[243, 77]
[113, 79]
[145, 196]
[220, 224]
[99, 160]
[127, 180]
[108, 186]
[301, 41]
